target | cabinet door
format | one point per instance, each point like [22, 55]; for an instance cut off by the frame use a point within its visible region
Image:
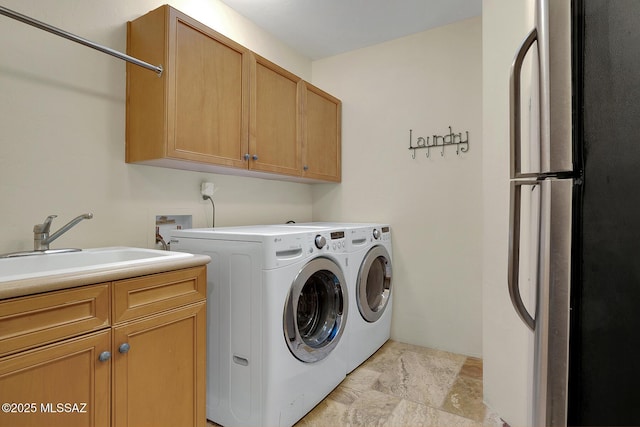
[63, 384]
[208, 94]
[160, 379]
[198, 110]
[275, 131]
[321, 153]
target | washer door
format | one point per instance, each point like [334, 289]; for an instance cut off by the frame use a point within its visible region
[373, 288]
[315, 310]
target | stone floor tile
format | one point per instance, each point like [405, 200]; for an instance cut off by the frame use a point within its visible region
[413, 414]
[329, 413]
[465, 399]
[402, 347]
[491, 419]
[472, 368]
[362, 378]
[344, 395]
[372, 408]
[422, 378]
[386, 355]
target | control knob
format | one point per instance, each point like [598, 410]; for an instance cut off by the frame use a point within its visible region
[376, 233]
[320, 241]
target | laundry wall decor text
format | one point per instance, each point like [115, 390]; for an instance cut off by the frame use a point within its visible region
[439, 141]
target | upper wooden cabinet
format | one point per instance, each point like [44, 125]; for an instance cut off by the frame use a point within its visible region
[321, 149]
[275, 131]
[198, 110]
[219, 107]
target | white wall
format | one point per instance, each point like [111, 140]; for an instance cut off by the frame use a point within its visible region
[62, 132]
[425, 82]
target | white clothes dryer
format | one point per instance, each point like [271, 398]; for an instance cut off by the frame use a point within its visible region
[277, 308]
[369, 278]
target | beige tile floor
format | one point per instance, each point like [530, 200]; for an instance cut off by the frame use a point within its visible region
[407, 385]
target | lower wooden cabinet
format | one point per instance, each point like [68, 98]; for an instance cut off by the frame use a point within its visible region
[158, 376]
[63, 384]
[145, 368]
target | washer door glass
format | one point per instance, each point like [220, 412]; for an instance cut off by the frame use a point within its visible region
[315, 310]
[373, 288]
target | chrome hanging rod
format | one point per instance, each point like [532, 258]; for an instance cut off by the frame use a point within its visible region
[58, 32]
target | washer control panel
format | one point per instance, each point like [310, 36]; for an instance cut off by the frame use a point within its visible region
[330, 241]
[382, 233]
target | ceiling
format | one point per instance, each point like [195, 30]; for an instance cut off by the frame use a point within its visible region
[321, 28]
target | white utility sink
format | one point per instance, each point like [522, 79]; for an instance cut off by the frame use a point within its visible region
[87, 260]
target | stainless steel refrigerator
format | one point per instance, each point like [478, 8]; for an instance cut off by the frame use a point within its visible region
[575, 209]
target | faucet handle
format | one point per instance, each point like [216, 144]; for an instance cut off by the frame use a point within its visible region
[44, 227]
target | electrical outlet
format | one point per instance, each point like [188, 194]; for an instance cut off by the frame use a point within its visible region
[207, 189]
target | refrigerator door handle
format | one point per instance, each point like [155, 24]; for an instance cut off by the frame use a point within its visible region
[514, 104]
[514, 253]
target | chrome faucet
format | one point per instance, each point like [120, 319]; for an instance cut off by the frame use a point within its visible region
[41, 237]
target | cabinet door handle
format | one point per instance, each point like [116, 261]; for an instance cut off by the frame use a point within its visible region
[247, 156]
[254, 157]
[124, 348]
[305, 167]
[104, 356]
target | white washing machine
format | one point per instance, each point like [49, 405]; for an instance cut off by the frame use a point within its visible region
[369, 279]
[277, 308]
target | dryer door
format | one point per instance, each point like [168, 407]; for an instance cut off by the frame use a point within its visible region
[373, 288]
[315, 310]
